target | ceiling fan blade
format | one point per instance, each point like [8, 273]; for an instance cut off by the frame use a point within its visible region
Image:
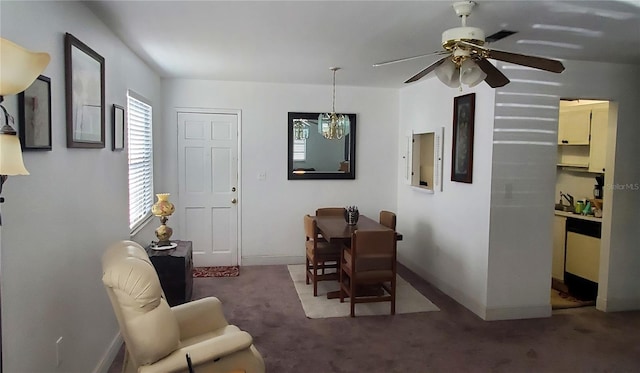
[409, 58]
[494, 78]
[499, 35]
[531, 61]
[541, 63]
[426, 70]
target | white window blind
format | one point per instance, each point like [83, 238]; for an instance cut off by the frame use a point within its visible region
[140, 159]
[300, 150]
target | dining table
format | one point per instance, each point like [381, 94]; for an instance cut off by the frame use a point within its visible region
[336, 231]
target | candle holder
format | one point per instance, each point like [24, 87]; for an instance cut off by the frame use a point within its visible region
[351, 215]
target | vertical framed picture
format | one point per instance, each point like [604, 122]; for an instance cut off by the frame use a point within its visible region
[34, 115]
[462, 148]
[118, 127]
[84, 87]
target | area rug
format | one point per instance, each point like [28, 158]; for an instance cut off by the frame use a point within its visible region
[222, 271]
[408, 299]
[562, 300]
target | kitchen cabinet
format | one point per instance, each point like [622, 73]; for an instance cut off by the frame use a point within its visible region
[559, 234]
[574, 125]
[582, 136]
[598, 142]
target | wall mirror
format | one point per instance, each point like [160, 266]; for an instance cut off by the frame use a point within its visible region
[313, 156]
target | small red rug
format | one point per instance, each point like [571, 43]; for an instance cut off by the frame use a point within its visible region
[222, 271]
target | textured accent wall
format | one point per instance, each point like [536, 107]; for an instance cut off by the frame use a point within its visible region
[522, 188]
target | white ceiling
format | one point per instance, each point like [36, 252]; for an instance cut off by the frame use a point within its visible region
[297, 41]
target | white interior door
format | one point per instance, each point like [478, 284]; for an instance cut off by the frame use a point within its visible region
[208, 186]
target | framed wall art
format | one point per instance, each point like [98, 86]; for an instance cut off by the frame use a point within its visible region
[118, 127]
[462, 148]
[84, 81]
[34, 115]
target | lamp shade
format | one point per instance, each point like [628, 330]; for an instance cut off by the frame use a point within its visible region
[11, 156]
[19, 67]
[471, 74]
[448, 73]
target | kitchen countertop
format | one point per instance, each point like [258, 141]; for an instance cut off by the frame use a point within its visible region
[577, 216]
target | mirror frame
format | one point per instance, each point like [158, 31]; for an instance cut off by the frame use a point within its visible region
[319, 175]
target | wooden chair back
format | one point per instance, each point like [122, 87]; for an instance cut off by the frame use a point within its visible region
[388, 219]
[373, 250]
[310, 228]
[330, 211]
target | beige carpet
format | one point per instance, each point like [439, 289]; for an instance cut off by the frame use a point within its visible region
[408, 299]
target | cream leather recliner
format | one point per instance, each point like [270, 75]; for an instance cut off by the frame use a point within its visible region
[158, 337]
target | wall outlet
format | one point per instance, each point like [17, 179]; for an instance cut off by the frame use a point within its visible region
[508, 191]
[262, 175]
[59, 352]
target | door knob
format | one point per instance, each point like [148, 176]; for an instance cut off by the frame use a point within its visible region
[234, 200]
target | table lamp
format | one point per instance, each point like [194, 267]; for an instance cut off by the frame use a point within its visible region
[18, 69]
[163, 208]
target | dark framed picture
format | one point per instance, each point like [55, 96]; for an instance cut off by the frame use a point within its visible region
[84, 83]
[462, 148]
[118, 127]
[34, 115]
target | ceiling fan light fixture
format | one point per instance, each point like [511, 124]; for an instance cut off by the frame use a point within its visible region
[471, 74]
[448, 73]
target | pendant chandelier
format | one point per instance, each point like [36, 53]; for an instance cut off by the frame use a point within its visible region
[300, 129]
[331, 125]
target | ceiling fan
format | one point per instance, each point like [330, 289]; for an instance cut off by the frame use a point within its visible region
[466, 56]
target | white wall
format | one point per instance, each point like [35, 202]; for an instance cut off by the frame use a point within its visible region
[446, 234]
[272, 209]
[58, 221]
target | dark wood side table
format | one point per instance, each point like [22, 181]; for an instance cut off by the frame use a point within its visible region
[175, 271]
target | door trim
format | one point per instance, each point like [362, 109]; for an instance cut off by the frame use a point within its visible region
[237, 112]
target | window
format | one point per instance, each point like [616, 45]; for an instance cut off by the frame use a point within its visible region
[300, 150]
[140, 159]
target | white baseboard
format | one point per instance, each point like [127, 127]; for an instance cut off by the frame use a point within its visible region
[516, 313]
[457, 295]
[617, 304]
[481, 310]
[107, 359]
[272, 260]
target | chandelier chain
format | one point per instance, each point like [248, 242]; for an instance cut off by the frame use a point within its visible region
[333, 106]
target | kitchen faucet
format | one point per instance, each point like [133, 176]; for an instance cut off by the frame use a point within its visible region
[568, 197]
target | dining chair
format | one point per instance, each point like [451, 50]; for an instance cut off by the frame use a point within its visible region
[369, 264]
[388, 219]
[330, 211]
[321, 256]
